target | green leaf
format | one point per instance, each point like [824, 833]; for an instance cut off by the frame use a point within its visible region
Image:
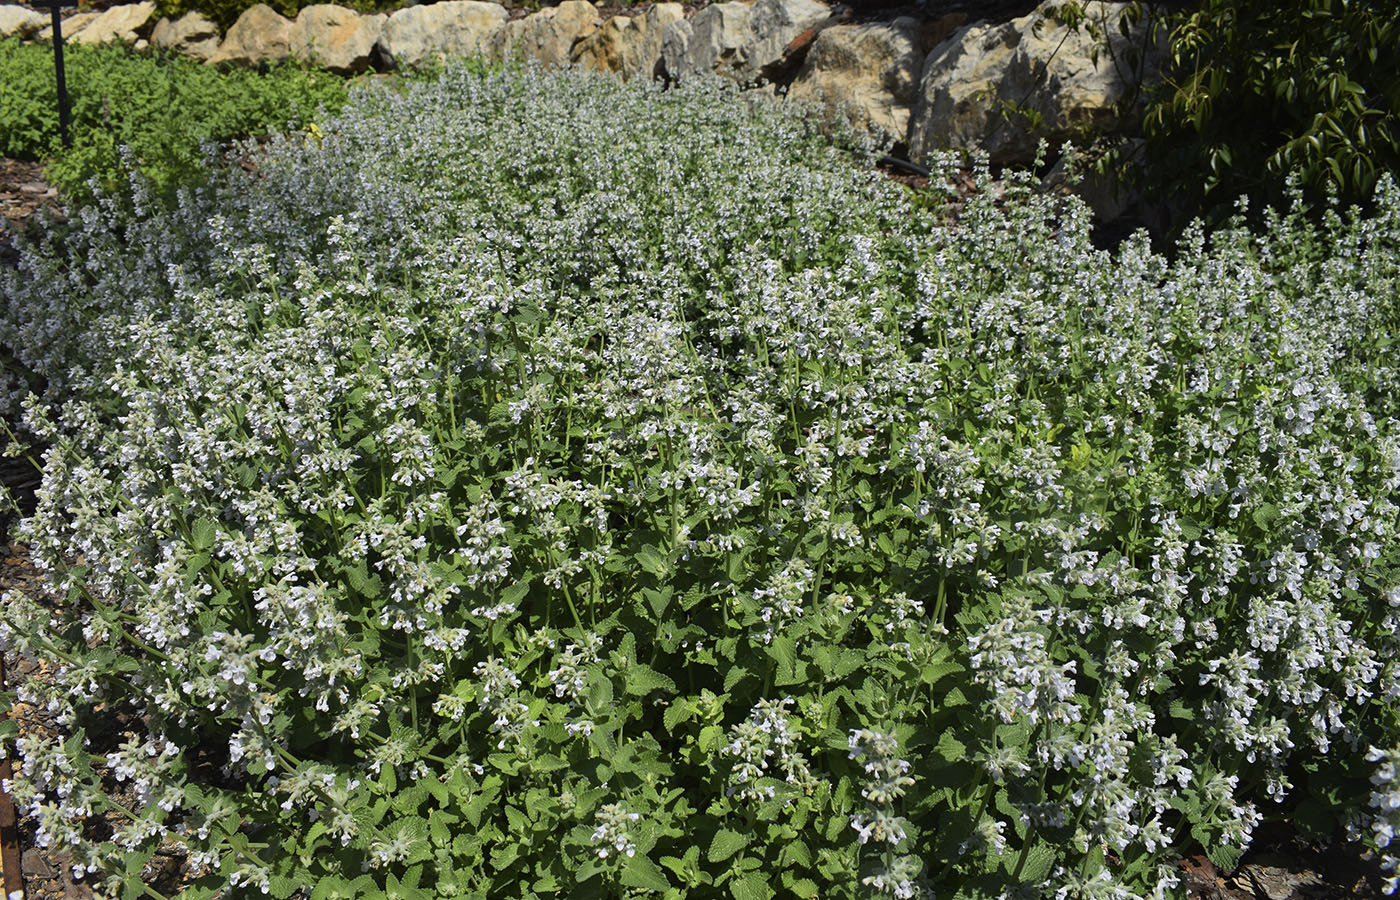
[203, 533]
[640, 872]
[652, 560]
[950, 748]
[329, 887]
[642, 679]
[1225, 857]
[1039, 861]
[725, 844]
[936, 672]
[735, 566]
[678, 711]
[519, 822]
[600, 688]
[750, 887]
[658, 600]
[504, 854]
[798, 852]
[362, 582]
[710, 737]
[783, 650]
[282, 886]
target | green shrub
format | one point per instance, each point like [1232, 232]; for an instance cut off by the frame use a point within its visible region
[164, 108]
[548, 487]
[225, 12]
[1260, 89]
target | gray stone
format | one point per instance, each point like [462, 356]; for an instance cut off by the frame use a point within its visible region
[119, 24]
[548, 36]
[737, 41]
[774, 25]
[418, 34]
[260, 35]
[1003, 88]
[628, 45]
[870, 71]
[191, 35]
[16, 21]
[707, 40]
[335, 37]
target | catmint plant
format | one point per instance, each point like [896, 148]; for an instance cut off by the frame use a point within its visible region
[596, 490]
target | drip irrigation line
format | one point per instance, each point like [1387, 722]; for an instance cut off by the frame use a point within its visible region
[906, 165]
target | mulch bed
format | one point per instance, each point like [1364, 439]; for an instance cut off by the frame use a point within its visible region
[23, 194]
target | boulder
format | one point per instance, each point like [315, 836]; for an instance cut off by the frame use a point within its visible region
[418, 34]
[628, 45]
[260, 35]
[548, 35]
[737, 41]
[126, 24]
[337, 38]
[870, 70]
[191, 35]
[706, 41]
[16, 21]
[71, 25]
[1003, 88]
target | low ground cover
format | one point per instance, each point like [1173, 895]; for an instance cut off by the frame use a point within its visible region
[163, 109]
[595, 491]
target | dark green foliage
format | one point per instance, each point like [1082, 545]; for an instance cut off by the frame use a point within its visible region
[163, 108]
[1259, 89]
[225, 12]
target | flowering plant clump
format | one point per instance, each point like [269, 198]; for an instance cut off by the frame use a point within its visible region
[539, 486]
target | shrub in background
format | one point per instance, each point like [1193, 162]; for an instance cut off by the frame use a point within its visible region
[225, 12]
[163, 107]
[1259, 89]
[544, 486]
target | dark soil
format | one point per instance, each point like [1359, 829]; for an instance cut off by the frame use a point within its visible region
[23, 193]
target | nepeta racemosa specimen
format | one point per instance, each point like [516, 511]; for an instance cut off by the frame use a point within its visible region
[594, 468]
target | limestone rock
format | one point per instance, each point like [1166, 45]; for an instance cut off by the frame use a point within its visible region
[16, 21]
[419, 34]
[737, 41]
[127, 24]
[191, 35]
[260, 35]
[628, 45]
[335, 37]
[71, 25]
[711, 38]
[774, 25]
[548, 35]
[1002, 88]
[873, 70]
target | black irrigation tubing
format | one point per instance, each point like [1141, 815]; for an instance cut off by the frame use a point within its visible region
[906, 165]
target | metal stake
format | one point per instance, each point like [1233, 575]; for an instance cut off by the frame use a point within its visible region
[54, 6]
